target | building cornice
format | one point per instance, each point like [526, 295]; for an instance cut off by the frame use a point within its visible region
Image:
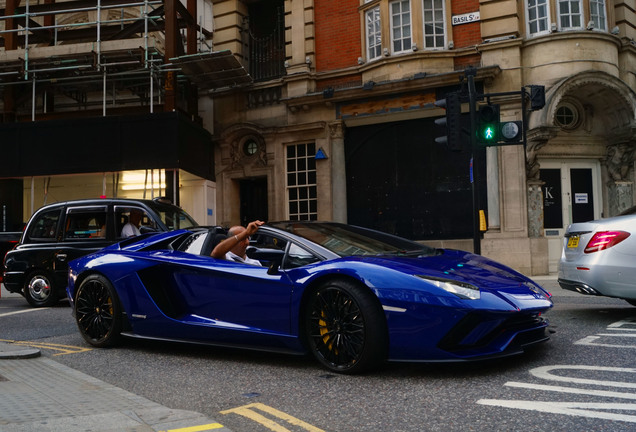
[379, 89]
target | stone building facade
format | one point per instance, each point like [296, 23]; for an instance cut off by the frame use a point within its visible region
[339, 121]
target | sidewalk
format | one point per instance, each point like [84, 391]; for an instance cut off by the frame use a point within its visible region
[38, 394]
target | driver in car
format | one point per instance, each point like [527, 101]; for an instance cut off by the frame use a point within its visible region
[234, 246]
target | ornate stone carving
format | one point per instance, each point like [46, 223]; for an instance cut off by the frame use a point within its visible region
[536, 139]
[619, 161]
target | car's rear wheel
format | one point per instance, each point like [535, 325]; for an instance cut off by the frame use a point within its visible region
[346, 327]
[98, 312]
[39, 291]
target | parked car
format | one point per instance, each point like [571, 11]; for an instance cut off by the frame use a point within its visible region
[352, 297]
[599, 258]
[37, 267]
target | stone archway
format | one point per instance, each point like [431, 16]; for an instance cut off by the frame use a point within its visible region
[602, 128]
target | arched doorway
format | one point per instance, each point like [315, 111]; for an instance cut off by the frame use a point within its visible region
[581, 153]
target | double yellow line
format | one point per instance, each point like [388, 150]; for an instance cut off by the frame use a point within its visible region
[63, 349]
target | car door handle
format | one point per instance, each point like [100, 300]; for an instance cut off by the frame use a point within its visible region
[61, 257]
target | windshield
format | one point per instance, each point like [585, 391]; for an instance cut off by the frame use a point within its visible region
[172, 216]
[347, 240]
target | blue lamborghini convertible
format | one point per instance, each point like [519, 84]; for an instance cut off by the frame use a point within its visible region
[351, 296]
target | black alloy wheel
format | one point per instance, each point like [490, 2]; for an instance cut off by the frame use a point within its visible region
[98, 312]
[39, 291]
[346, 327]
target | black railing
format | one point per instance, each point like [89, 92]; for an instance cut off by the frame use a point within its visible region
[266, 48]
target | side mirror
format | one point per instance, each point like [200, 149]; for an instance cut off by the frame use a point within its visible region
[144, 229]
[273, 256]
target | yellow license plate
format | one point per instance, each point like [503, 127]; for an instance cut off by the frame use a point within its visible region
[573, 242]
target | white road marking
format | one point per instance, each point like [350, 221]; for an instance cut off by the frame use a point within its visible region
[22, 311]
[544, 373]
[572, 390]
[580, 409]
[590, 341]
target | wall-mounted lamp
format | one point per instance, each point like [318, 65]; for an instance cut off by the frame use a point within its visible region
[360, 61]
[385, 51]
[414, 47]
[590, 25]
[307, 60]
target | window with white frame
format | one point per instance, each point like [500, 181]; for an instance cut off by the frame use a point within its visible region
[597, 14]
[538, 18]
[401, 25]
[434, 23]
[570, 15]
[374, 33]
[302, 191]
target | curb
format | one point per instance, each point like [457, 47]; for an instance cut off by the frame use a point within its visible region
[16, 352]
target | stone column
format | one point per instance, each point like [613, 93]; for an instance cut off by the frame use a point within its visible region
[536, 139]
[620, 196]
[620, 190]
[338, 172]
[535, 208]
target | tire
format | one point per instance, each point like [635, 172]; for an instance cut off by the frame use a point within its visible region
[98, 312]
[346, 327]
[39, 290]
[631, 301]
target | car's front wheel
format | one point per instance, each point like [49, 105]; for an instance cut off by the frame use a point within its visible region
[98, 312]
[39, 291]
[346, 327]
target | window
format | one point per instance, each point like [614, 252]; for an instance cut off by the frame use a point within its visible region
[570, 14]
[401, 25]
[597, 14]
[301, 182]
[567, 116]
[538, 19]
[45, 227]
[85, 223]
[374, 33]
[123, 217]
[433, 24]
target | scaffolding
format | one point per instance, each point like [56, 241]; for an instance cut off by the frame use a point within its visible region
[77, 56]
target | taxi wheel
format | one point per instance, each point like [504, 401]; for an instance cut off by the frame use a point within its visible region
[346, 328]
[98, 312]
[38, 290]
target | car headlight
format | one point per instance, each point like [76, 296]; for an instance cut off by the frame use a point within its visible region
[462, 290]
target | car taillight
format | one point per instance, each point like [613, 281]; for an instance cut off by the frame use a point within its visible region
[605, 240]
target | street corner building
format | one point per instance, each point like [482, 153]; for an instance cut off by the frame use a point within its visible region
[326, 110]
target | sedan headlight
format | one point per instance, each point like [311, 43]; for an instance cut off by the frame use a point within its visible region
[462, 290]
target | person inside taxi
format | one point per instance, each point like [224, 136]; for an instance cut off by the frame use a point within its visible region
[234, 246]
[131, 229]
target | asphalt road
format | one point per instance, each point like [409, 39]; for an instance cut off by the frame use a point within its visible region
[584, 378]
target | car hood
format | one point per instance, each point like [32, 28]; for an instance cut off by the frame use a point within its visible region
[484, 273]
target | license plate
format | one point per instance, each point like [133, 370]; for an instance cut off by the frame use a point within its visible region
[573, 242]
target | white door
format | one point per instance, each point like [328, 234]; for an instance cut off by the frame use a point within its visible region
[571, 193]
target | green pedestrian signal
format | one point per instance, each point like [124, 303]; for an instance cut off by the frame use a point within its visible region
[489, 133]
[488, 128]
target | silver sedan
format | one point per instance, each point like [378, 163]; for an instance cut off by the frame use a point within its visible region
[599, 258]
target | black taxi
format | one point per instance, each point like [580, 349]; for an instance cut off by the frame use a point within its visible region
[57, 233]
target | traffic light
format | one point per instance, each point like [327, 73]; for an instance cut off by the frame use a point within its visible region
[451, 122]
[512, 132]
[537, 97]
[488, 127]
